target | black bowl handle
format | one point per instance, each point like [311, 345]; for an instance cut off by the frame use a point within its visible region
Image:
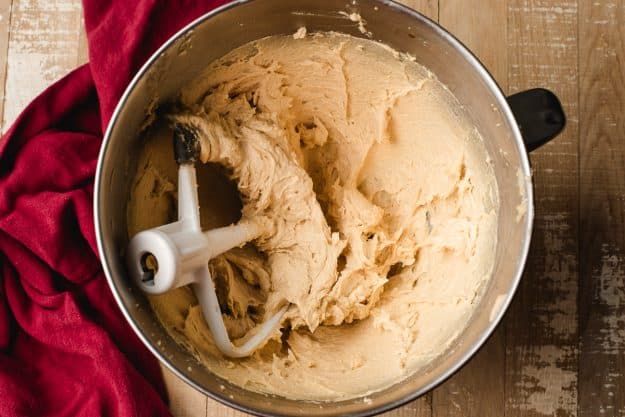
[539, 114]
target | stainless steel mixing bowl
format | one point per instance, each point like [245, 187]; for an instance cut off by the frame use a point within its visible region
[218, 32]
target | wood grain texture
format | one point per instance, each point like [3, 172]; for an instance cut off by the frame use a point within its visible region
[83, 48]
[5, 21]
[428, 8]
[464, 395]
[184, 400]
[43, 47]
[541, 342]
[602, 189]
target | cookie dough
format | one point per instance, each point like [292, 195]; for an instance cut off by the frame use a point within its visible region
[377, 204]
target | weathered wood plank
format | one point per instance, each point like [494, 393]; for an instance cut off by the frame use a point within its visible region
[602, 190]
[421, 407]
[184, 400]
[482, 26]
[542, 337]
[5, 19]
[43, 47]
[477, 390]
[83, 48]
[428, 8]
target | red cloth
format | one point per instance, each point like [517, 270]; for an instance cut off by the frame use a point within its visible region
[65, 348]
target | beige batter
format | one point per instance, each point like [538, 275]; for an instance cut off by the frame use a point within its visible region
[376, 202]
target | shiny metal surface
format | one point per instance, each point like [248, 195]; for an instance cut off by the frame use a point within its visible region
[228, 27]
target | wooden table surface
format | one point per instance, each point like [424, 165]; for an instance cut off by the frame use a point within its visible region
[560, 350]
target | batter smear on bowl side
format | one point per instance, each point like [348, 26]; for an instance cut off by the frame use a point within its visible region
[377, 204]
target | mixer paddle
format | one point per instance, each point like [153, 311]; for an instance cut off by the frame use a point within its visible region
[177, 254]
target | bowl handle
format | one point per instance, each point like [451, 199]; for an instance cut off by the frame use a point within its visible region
[539, 114]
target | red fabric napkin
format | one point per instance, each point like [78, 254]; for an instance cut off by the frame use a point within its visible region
[65, 348]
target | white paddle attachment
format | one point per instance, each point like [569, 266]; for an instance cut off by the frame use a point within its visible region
[177, 254]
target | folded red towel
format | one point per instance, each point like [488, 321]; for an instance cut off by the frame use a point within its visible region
[65, 348]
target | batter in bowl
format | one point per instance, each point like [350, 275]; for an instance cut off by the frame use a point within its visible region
[375, 196]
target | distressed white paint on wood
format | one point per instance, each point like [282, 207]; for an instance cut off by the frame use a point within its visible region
[602, 190]
[610, 337]
[610, 292]
[546, 383]
[546, 388]
[5, 19]
[542, 336]
[43, 47]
